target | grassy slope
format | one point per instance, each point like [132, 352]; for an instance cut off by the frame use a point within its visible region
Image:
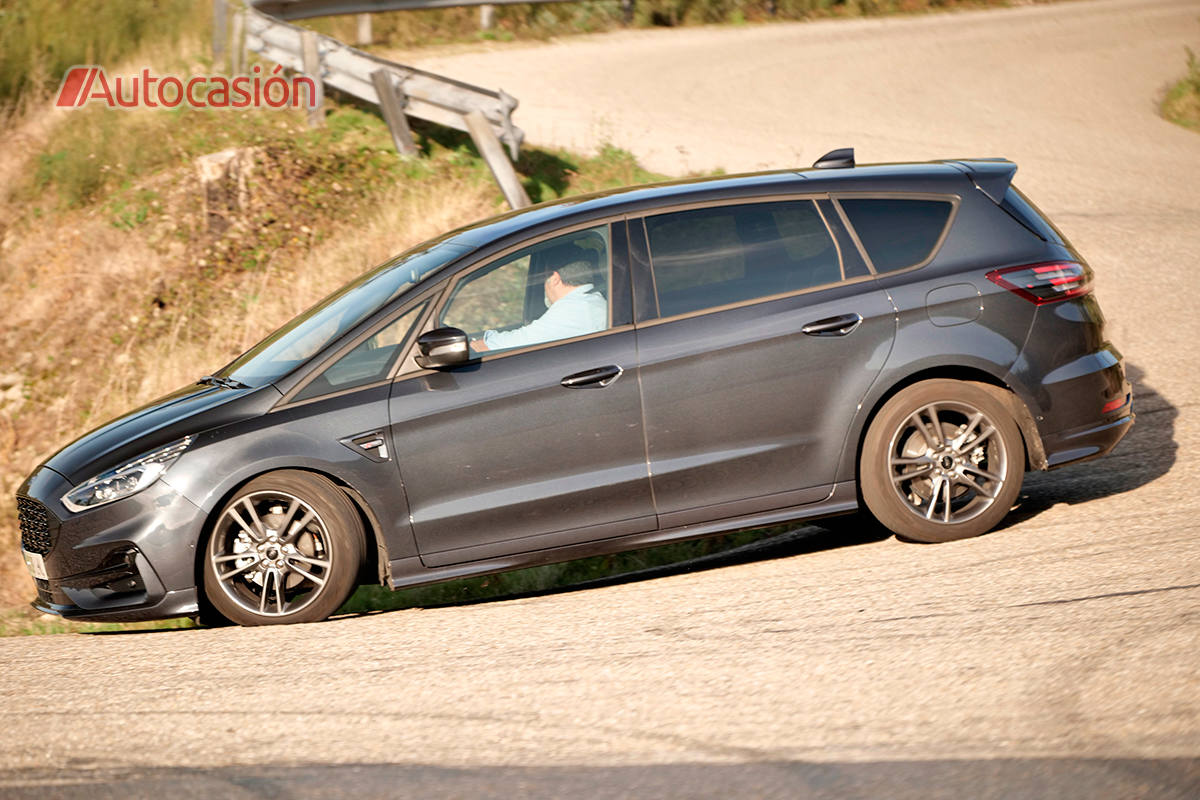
[1181, 104]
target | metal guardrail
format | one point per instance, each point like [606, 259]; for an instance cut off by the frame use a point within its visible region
[399, 90]
[306, 9]
[431, 97]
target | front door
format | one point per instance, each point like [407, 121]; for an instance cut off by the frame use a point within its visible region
[540, 443]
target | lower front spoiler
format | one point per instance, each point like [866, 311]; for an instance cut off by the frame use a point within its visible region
[177, 603]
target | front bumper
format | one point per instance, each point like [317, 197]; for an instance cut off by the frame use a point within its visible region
[130, 560]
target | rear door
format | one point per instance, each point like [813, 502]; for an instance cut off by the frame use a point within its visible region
[758, 334]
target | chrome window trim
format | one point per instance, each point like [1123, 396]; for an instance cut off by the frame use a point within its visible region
[774, 197]
[755, 301]
[812, 197]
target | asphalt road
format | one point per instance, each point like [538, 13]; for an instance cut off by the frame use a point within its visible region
[1057, 657]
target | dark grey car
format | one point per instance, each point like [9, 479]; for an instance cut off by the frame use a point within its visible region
[598, 374]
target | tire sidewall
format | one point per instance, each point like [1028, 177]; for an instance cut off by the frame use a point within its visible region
[885, 503]
[345, 534]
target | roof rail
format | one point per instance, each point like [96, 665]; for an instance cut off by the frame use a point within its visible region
[836, 159]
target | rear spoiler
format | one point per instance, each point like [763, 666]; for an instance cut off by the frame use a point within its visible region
[992, 176]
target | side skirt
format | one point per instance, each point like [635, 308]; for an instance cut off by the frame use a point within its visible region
[407, 572]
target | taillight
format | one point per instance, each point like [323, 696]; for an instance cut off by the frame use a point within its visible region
[1044, 283]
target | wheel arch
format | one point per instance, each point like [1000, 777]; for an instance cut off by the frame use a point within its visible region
[375, 560]
[1035, 455]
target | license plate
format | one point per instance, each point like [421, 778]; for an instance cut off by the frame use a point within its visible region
[36, 564]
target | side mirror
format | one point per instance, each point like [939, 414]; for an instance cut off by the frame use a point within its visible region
[442, 348]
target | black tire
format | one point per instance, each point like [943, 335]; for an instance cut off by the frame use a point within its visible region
[287, 548]
[951, 480]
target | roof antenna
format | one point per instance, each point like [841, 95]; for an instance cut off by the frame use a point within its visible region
[836, 159]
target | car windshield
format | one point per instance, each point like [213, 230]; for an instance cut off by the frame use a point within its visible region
[309, 333]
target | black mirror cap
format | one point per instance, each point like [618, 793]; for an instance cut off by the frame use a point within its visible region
[836, 159]
[442, 348]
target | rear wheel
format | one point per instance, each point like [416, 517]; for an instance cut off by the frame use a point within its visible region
[942, 460]
[287, 548]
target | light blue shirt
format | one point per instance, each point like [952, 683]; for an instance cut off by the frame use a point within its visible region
[577, 312]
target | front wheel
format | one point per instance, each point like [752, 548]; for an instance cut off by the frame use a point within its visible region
[942, 460]
[287, 548]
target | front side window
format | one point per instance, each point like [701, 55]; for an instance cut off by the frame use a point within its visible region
[897, 232]
[370, 361]
[556, 289]
[709, 257]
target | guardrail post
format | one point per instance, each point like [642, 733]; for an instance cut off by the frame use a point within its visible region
[487, 17]
[310, 56]
[237, 45]
[493, 153]
[220, 31]
[363, 29]
[391, 103]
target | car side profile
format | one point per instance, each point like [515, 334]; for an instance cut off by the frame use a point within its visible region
[598, 374]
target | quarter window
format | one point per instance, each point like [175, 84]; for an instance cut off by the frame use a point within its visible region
[712, 257]
[897, 232]
[369, 362]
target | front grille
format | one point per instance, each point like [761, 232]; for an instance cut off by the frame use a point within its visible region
[36, 536]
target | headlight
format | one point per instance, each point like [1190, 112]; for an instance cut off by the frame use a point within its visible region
[126, 479]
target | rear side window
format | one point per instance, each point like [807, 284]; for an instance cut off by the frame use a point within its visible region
[897, 232]
[712, 257]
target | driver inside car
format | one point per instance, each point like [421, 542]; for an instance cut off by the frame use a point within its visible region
[573, 308]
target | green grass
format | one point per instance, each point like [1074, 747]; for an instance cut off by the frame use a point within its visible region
[550, 576]
[41, 39]
[27, 622]
[1182, 102]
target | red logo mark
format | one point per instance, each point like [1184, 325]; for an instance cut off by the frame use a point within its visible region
[75, 86]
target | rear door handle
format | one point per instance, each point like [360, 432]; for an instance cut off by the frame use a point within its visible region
[598, 377]
[833, 326]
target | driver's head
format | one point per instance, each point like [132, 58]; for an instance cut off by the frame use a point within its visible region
[566, 278]
[576, 273]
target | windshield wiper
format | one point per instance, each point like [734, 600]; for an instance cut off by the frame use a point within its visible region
[225, 383]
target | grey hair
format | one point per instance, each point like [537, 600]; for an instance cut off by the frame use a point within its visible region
[576, 273]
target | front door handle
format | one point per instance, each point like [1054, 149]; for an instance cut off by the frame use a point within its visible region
[589, 378]
[833, 326]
